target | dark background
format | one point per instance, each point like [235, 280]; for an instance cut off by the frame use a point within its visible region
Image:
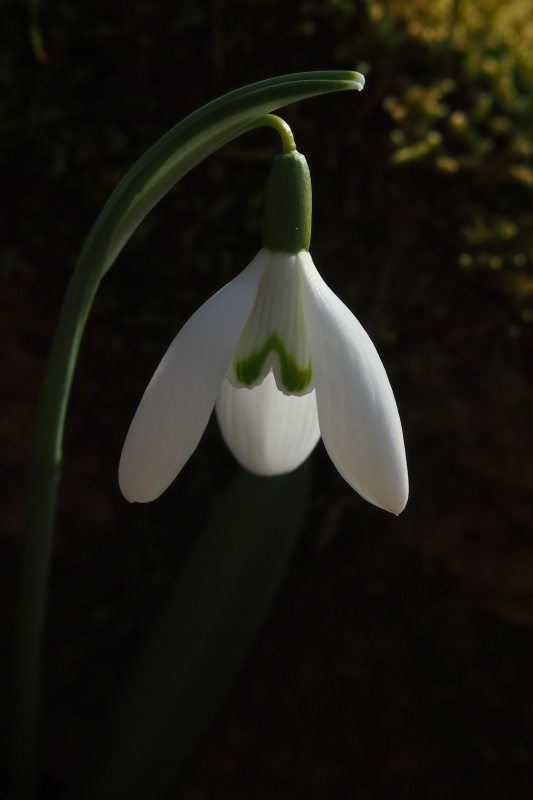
[397, 662]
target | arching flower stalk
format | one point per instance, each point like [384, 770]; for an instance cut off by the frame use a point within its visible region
[284, 362]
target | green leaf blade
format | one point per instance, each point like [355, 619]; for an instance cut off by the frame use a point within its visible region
[193, 140]
[214, 611]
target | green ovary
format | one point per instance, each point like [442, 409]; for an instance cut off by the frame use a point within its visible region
[294, 378]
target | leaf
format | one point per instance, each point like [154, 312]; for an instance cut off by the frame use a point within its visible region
[144, 185]
[193, 140]
[156, 172]
[215, 608]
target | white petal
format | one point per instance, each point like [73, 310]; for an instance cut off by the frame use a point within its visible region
[268, 432]
[176, 406]
[359, 420]
[274, 336]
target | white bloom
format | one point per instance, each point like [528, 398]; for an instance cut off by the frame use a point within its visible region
[285, 362]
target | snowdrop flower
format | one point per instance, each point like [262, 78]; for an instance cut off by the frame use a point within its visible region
[284, 361]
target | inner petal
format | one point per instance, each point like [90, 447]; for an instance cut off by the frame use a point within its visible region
[275, 337]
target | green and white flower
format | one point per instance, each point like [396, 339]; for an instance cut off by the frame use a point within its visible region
[284, 361]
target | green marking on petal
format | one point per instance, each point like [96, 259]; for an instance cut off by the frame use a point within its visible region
[294, 378]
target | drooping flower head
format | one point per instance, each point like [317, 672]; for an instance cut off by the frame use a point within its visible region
[284, 361]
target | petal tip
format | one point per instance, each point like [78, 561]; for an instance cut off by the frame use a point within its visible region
[137, 487]
[396, 498]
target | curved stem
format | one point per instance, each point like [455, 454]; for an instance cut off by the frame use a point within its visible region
[145, 184]
[272, 121]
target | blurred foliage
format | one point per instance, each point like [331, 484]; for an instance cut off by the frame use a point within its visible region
[476, 124]
[423, 224]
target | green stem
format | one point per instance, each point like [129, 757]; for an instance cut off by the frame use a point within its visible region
[44, 483]
[272, 121]
[145, 184]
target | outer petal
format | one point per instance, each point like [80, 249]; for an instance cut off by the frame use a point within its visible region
[268, 432]
[176, 406]
[358, 416]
